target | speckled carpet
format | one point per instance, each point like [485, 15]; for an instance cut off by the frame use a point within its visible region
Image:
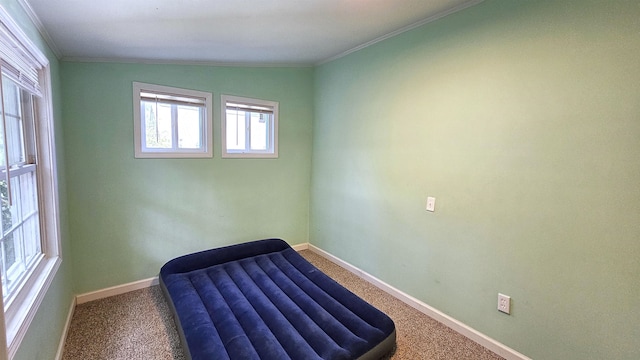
[138, 325]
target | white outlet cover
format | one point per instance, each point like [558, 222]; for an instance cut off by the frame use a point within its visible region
[504, 303]
[431, 203]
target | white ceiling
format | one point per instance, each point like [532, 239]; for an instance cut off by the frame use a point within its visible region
[265, 32]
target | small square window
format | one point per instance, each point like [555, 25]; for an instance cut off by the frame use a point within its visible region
[171, 122]
[249, 128]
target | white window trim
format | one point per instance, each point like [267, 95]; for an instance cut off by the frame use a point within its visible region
[18, 318]
[245, 100]
[207, 152]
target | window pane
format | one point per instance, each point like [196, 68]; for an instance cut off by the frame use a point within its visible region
[12, 258]
[189, 125]
[235, 127]
[13, 120]
[8, 251]
[2, 151]
[27, 196]
[10, 212]
[11, 217]
[15, 265]
[259, 131]
[31, 231]
[20, 227]
[157, 122]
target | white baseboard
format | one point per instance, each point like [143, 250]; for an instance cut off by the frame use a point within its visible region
[65, 330]
[465, 330]
[140, 284]
[116, 290]
[300, 247]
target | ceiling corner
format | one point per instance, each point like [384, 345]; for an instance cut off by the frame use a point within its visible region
[41, 29]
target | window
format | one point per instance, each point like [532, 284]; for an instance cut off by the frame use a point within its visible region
[249, 127]
[171, 122]
[20, 236]
[29, 234]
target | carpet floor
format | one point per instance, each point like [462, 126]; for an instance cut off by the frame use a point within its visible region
[138, 325]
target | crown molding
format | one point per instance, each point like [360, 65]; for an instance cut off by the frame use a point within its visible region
[40, 26]
[402, 30]
[54, 48]
[184, 62]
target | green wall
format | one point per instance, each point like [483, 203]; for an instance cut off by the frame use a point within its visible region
[129, 216]
[522, 118]
[41, 342]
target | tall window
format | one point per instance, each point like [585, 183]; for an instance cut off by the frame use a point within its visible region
[29, 236]
[20, 237]
[171, 122]
[249, 127]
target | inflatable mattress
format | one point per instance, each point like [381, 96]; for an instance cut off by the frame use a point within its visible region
[262, 300]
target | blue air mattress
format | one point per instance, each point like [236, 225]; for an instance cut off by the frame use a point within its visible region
[262, 300]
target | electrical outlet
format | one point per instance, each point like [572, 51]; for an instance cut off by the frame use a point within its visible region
[504, 303]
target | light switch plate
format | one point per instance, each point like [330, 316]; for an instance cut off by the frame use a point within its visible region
[431, 204]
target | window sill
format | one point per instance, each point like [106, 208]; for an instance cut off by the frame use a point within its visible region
[172, 155]
[240, 155]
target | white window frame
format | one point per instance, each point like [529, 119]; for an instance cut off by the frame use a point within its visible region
[141, 151]
[19, 312]
[272, 152]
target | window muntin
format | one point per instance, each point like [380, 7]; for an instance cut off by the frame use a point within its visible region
[171, 122]
[249, 127]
